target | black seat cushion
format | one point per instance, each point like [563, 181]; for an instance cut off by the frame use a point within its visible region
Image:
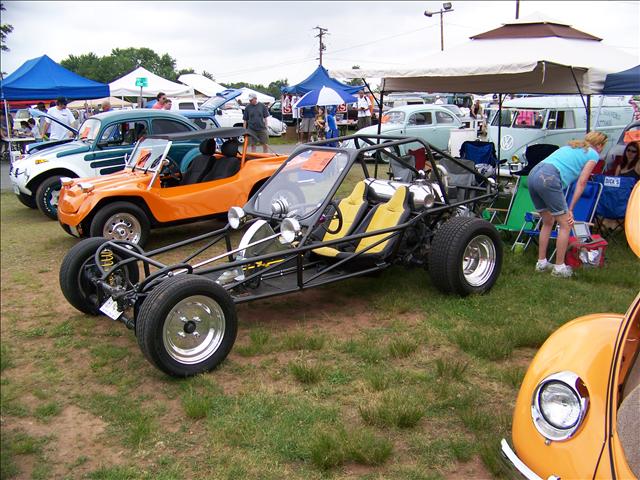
[201, 165]
[228, 165]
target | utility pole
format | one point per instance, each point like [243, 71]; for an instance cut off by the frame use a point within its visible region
[446, 7]
[321, 46]
[517, 9]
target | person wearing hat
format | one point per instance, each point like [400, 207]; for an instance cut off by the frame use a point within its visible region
[364, 110]
[255, 120]
[61, 113]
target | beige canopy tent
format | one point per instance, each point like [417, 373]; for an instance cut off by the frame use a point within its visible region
[527, 56]
[114, 101]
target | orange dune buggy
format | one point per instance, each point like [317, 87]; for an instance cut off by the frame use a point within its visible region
[169, 179]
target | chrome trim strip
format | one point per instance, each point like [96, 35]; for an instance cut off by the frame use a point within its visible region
[519, 465]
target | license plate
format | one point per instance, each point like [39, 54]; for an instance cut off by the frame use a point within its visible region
[110, 309]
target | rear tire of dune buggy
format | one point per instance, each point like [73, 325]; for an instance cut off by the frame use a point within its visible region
[78, 267]
[187, 325]
[466, 256]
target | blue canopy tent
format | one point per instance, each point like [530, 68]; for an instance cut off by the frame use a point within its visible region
[40, 78]
[43, 78]
[318, 79]
[626, 82]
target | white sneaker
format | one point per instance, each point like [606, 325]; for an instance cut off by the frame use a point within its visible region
[543, 266]
[562, 271]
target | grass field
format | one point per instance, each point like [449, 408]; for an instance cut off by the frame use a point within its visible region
[373, 378]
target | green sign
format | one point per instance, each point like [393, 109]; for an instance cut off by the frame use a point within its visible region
[142, 82]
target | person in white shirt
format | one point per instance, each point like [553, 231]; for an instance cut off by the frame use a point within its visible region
[438, 101]
[61, 113]
[364, 110]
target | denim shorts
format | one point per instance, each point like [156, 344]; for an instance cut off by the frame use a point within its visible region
[545, 188]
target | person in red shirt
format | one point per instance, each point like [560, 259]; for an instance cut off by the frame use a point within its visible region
[161, 99]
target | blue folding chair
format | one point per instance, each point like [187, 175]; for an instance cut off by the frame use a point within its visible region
[612, 206]
[583, 211]
[481, 153]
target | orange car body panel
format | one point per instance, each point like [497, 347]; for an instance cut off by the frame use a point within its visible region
[169, 204]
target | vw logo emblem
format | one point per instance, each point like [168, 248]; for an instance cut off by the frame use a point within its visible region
[507, 142]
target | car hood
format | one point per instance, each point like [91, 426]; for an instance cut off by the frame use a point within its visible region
[116, 181]
[65, 149]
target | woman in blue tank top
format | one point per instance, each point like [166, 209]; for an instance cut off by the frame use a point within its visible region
[546, 183]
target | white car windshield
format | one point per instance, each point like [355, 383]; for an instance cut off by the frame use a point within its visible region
[393, 117]
[148, 155]
[302, 185]
[88, 131]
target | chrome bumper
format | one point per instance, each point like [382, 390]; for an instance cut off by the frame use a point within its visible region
[518, 465]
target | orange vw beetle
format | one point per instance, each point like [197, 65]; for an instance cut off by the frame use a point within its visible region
[578, 410]
[169, 179]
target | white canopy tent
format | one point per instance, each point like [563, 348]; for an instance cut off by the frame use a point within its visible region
[114, 101]
[126, 86]
[262, 98]
[201, 84]
[526, 56]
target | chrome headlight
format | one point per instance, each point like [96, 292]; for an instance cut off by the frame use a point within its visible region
[66, 181]
[515, 159]
[559, 404]
[289, 230]
[236, 217]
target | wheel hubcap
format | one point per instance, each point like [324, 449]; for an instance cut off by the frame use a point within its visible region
[479, 260]
[122, 226]
[194, 329]
[53, 199]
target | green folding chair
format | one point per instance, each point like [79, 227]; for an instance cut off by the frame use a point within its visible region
[514, 216]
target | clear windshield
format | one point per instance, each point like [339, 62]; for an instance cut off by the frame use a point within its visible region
[520, 118]
[89, 129]
[148, 154]
[302, 185]
[393, 117]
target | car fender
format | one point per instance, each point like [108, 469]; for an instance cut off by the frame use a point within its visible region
[584, 346]
[66, 166]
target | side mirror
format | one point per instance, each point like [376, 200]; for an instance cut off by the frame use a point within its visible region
[219, 111]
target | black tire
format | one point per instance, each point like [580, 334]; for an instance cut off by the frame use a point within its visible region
[26, 200]
[76, 269]
[447, 257]
[46, 196]
[154, 326]
[123, 217]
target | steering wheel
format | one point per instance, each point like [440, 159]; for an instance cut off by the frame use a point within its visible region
[326, 219]
[170, 171]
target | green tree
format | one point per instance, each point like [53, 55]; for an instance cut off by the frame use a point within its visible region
[208, 75]
[274, 88]
[5, 29]
[184, 71]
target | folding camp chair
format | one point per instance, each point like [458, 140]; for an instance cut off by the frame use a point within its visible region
[612, 206]
[583, 211]
[483, 155]
[533, 155]
[510, 219]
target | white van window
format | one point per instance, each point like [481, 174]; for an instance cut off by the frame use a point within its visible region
[528, 119]
[561, 119]
[420, 118]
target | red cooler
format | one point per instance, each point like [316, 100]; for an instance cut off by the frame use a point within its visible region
[586, 252]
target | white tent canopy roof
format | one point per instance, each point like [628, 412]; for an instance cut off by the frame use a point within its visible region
[114, 101]
[126, 86]
[508, 65]
[201, 84]
[262, 98]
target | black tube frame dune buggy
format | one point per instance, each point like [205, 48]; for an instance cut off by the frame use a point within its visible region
[184, 313]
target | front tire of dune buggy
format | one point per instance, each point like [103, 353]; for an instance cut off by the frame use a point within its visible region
[187, 325]
[466, 256]
[78, 270]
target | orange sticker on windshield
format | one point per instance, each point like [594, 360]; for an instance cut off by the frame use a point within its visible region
[144, 155]
[85, 133]
[632, 136]
[318, 161]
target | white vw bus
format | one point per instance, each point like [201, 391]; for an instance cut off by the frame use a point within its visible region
[556, 120]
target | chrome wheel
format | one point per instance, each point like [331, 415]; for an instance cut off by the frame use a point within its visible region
[122, 226]
[479, 260]
[194, 329]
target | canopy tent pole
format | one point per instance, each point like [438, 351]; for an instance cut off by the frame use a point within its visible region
[587, 103]
[9, 132]
[598, 112]
[499, 123]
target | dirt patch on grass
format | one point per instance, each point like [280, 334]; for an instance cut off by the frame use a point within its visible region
[472, 470]
[74, 433]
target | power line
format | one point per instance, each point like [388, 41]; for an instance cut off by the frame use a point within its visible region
[381, 39]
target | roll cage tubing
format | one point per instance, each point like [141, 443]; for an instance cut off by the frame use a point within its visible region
[134, 252]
